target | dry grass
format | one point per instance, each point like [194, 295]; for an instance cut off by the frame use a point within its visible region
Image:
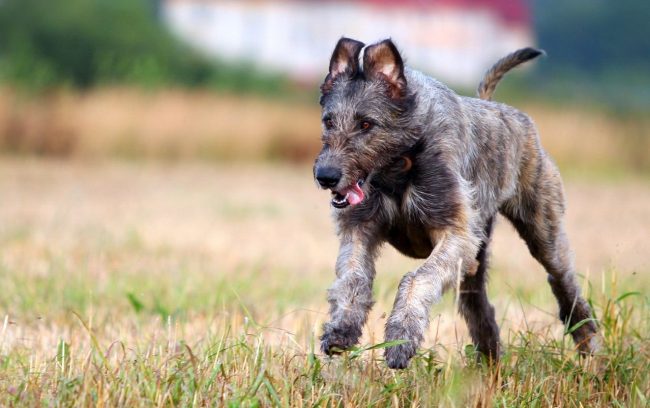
[147, 284]
[588, 139]
[176, 123]
[168, 124]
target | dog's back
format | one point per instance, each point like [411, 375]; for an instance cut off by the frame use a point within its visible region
[493, 143]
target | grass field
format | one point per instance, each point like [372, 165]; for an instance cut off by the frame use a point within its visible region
[149, 284]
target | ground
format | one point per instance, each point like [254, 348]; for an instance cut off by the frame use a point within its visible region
[141, 283]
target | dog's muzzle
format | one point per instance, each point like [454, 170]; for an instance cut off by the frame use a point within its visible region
[349, 196]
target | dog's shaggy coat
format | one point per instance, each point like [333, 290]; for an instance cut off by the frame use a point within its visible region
[411, 163]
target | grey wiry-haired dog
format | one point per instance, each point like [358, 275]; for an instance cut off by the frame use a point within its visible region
[410, 162]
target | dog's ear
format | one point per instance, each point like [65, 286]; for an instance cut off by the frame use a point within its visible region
[344, 62]
[383, 62]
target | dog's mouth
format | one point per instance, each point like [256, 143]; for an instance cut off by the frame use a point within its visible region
[349, 196]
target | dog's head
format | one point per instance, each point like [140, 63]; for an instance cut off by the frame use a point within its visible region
[365, 118]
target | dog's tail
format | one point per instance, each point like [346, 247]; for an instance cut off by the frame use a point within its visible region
[493, 75]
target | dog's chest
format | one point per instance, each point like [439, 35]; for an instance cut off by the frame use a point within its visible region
[410, 239]
[414, 212]
[404, 230]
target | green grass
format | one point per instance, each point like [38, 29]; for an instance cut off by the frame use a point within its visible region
[234, 365]
[186, 295]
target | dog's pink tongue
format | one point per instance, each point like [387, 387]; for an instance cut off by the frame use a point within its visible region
[355, 194]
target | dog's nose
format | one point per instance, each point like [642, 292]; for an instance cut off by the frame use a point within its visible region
[328, 176]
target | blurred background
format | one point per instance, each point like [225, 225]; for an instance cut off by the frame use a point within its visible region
[230, 80]
[155, 156]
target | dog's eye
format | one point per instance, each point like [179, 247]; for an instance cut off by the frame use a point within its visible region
[329, 124]
[365, 125]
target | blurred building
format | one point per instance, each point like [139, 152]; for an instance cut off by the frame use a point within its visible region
[455, 40]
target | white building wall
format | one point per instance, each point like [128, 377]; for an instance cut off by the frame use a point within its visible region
[297, 38]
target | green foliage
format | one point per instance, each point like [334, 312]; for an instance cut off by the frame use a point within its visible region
[597, 50]
[83, 43]
[596, 36]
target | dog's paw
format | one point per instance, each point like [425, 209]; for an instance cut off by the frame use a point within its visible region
[587, 339]
[336, 340]
[589, 344]
[398, 357]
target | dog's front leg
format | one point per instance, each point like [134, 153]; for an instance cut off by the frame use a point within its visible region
[418, 290]
[350, 297]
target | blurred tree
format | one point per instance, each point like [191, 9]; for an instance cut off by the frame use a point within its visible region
[596, 35]
[603, 43]
[82, 43]
[85, 42]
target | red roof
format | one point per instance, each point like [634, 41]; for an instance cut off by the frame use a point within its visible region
[512, 11]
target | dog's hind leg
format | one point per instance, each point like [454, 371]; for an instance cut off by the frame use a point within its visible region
[537, 213]
[474, 304]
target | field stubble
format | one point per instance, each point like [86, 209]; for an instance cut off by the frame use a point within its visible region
[176, 284]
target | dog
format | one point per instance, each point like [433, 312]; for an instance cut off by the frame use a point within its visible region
[411, 163]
